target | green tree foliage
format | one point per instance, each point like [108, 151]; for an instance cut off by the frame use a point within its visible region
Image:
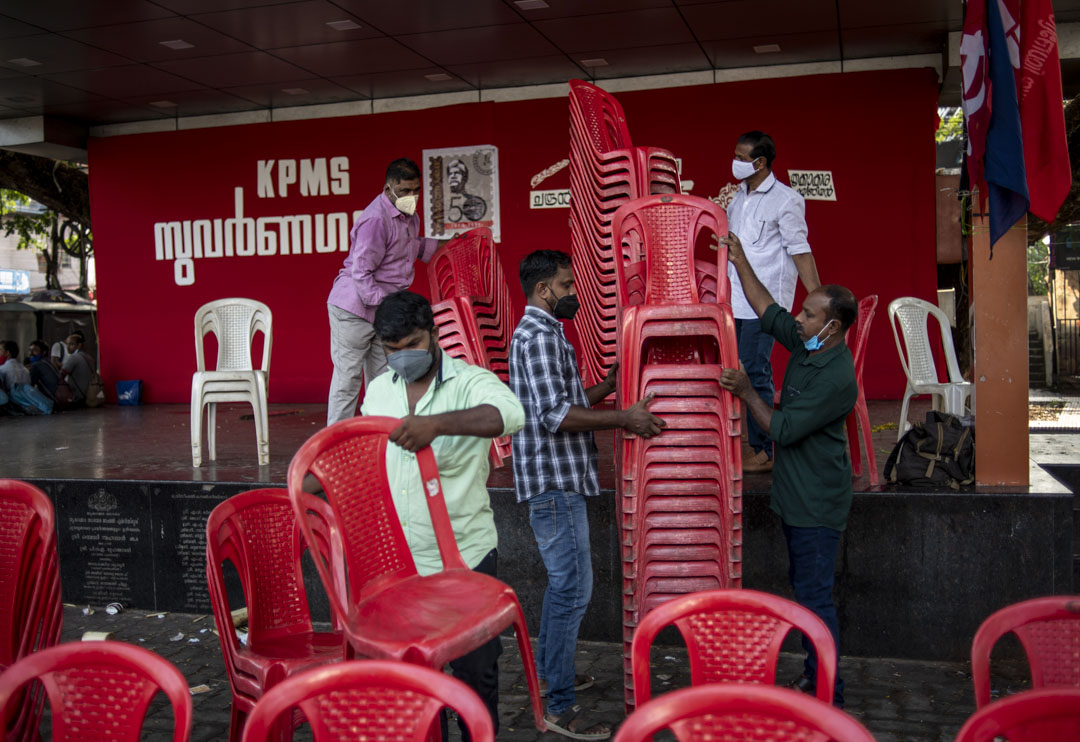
[47, 232]
[1038, 263]
[952, 125]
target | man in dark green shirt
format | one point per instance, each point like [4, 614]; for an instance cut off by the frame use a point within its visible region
[811, 490]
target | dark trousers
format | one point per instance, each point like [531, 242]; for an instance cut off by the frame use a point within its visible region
[44, 376]
[479, 669]
[755, 351]
[811, 566]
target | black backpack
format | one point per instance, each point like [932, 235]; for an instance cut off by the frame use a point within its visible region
[939, 452]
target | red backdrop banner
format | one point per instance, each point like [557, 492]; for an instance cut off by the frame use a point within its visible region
[263, 210]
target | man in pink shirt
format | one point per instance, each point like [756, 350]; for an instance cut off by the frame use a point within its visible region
[385, 244]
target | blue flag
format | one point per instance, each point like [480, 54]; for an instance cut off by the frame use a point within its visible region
[1006, 177]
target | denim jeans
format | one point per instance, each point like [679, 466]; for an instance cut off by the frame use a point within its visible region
[811, 566]
[479, 669]
[561, 527]
[755, 350]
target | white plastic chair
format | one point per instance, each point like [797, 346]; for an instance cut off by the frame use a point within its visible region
[922, 377]
[234, 322]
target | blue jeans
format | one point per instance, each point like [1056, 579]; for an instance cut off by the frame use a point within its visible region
[561, 527]
[755, 350]
[811, 564]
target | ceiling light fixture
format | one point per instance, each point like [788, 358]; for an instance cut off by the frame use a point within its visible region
[345, 25]
[531, 4]
[767, 49]
[597, 62]
[162, 104]
[24, 62]
[438, 77]
[177, 44]
[295, 91]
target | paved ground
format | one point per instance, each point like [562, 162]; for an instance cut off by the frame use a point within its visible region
[896, 699]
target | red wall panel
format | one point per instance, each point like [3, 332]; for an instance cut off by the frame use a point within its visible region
[873, 130]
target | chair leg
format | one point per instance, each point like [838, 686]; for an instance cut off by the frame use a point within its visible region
[903, 426]
[236, 723]
[529, 665]
[868, 438]
[211, 431]
[196, 430]
[853, 441]
[262, 424]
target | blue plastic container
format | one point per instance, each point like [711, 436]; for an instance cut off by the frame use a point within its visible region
[129, 392]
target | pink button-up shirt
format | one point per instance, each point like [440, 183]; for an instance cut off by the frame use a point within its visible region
[384, 246]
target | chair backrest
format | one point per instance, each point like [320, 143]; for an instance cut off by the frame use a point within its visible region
[463, 267]
[918, 361]
[859, 333]
[28, 571]
[724, 711]
[1046, 715]
[349, 461]
[234, 322]
[369, 699]
[257, 531]
[603, 121]
[99, 690]
[667, 229]
[1048, 629]
[732, 636]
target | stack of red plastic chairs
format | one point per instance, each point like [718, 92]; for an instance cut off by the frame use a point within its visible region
[606, 171]
[679, 492]
[471, 302]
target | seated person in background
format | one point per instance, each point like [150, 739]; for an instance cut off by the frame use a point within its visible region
[77, 368]
[43, 375]
[11, 371]
[59, 352]
[15, 380]
[457, 409]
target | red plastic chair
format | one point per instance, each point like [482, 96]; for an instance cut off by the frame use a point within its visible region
[257, 532]
[99, 690]
[1048, 629]
[736, 711]
[733, 636]
[1047, 715]
[31, 613]
[857, 335]
[370, 699]
[391, 611]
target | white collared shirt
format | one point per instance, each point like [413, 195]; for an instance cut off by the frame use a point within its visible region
[770, 221]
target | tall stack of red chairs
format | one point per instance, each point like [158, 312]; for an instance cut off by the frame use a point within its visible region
[606, 171]
[471, 302]
[31, 614]
[679, 492]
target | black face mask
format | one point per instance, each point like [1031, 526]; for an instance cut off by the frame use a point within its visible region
[565, 306]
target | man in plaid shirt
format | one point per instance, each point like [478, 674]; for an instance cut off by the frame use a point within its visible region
[555, 470]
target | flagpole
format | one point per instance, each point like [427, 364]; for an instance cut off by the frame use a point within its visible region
[1000, 346]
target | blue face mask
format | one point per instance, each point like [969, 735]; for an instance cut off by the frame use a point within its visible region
[815, 343]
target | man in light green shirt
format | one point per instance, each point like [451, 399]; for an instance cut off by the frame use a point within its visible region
[457, 409]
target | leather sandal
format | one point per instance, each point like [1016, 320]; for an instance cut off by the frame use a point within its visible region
[583, 729]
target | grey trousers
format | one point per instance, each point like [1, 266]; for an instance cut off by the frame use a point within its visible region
[354, 350]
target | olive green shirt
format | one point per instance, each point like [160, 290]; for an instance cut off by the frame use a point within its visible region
[462, 459]
[812, 470]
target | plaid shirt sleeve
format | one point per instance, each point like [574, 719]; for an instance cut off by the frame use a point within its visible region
[545, 380]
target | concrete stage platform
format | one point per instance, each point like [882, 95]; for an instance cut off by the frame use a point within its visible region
[917, 572]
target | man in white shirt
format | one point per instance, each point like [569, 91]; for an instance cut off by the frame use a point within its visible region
[768, 219]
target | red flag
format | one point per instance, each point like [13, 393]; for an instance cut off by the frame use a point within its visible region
[1042, 117]
[974, 58]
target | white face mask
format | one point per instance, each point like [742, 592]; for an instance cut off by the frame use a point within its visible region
[742, 170]
[405, 204]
